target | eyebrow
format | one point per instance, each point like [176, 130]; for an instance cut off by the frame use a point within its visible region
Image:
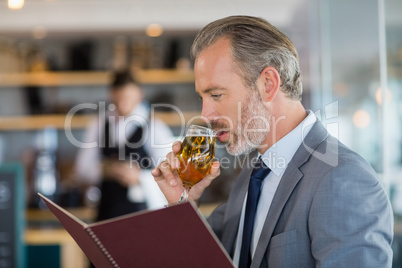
[212, 89]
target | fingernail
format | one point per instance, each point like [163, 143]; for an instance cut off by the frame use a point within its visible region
[177, 145]
[171, 182]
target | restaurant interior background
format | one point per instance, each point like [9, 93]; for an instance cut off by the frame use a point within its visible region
[56, 54]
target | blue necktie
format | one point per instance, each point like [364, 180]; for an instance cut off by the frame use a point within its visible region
[259, 173]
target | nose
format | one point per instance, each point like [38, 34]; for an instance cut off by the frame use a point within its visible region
[208, 113]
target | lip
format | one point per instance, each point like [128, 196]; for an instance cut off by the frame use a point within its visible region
[222, 135]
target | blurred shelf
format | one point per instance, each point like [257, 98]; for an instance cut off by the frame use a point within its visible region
[86, 214]
[47, 236]
[37, 122]
[152, 76]
[206, 209]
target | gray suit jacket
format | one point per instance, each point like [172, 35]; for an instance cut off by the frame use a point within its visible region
[329, 210]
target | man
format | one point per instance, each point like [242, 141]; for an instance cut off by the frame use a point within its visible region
[320, 205]
[122, 162]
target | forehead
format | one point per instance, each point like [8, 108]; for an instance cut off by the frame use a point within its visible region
[215, 53]
[214, 66]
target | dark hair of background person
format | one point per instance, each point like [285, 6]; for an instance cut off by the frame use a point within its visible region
[122, 78]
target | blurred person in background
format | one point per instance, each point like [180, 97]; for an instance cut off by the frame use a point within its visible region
[121, 163]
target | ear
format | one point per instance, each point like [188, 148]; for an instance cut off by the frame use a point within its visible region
[270, 82]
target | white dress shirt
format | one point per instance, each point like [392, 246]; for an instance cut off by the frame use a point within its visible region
[157, 140]
[277, 158]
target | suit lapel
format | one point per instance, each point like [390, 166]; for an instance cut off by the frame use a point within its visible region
[289, 180]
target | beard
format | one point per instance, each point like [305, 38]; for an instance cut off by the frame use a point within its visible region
[253, 128]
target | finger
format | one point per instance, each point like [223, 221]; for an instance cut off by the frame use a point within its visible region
[215, 169]
[215, 172]
[176, 147]
[156, 173]
[164, 172]
[198, 189]
[173, 161]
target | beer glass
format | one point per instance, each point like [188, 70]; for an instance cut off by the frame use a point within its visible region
[196, 156]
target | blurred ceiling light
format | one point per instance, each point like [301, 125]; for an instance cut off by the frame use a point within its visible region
[39, 32]
[15, 4]
[378, 96]
[361, 119]
[154, 30]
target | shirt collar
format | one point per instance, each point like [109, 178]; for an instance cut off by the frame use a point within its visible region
[278, 156]
[141, 110]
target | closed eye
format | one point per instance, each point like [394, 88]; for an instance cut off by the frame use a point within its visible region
[216, 96]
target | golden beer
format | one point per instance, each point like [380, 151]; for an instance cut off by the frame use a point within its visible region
[196, 157]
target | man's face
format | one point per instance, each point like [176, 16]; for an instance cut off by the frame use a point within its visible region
[236, 112]
[126, 98]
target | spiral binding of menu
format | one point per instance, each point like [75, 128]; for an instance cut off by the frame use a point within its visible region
[104, 250]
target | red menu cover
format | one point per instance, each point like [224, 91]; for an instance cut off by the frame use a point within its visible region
[175, 236]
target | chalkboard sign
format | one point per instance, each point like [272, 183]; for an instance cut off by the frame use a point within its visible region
[12, 208]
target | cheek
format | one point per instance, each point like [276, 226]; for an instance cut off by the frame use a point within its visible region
[124, 108]
[137, 95]
[230, 115]
[126, 105]
[132, 98]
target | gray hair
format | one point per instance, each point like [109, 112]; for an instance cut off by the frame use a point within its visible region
[255, 44]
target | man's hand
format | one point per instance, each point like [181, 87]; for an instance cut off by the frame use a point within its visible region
[169, 181]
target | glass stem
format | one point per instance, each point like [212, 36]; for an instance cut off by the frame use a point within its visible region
[184, 194]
